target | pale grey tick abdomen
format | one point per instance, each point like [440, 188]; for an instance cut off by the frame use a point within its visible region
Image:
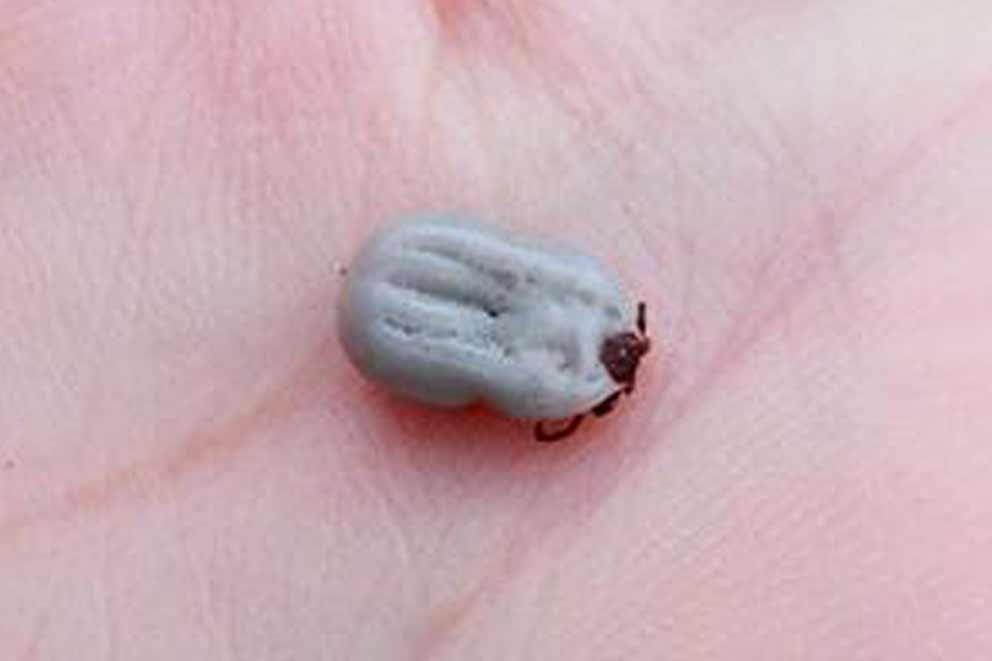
[450, 312]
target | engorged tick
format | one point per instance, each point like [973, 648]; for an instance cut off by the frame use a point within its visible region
[448, 311]
[621, 355]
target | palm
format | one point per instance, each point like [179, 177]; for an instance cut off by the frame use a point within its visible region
[191, 466]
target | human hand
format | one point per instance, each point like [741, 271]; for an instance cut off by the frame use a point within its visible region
[189, 468]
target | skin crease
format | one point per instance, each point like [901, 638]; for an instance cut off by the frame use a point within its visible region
[189, 468]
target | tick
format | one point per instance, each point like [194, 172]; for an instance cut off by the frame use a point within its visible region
[448, 311]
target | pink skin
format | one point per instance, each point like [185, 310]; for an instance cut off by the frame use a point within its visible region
[189, 468]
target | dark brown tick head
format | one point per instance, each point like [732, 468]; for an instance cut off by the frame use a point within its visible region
[621, 353]
[621, 356]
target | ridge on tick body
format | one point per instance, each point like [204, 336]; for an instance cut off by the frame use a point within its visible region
[449, 312]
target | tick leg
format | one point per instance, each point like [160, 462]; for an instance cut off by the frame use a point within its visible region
[642, 317]
[545, 436]
[607, 405]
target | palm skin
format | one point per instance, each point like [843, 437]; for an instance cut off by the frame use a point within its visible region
[189, 468]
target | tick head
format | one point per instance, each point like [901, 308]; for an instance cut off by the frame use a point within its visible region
[621, 353]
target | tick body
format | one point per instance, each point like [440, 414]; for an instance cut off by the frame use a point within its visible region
[449, 312]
